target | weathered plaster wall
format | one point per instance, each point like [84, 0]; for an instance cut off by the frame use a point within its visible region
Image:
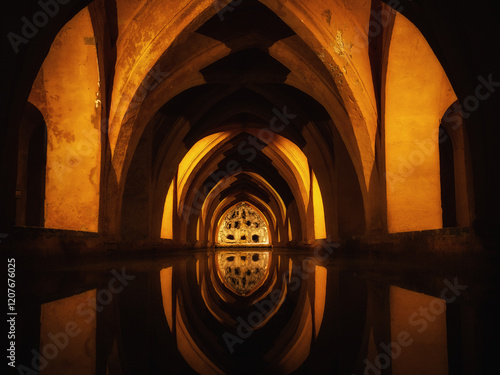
[65, 91]
[417, 93]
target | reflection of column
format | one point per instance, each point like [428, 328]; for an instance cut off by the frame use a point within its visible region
[67, 335]
[319, 297]
[418, 333]
[166, 292]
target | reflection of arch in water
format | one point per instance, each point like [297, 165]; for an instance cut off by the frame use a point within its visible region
[327, 304]
[243, 225]
[243, 271]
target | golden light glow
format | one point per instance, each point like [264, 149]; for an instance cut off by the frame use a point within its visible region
[428, 351]
[65, 315]
[223, 183]
[319, 297]
[243, 272]
[167, 230]
[65, 91]
[221, 316]
[217, 216]
[189, 350]
[194, 156]
[166, 292]
[417, 94]
[367, 111]
[295, 160]
[319, 210]
[272, 190]
[243, 225]
[300, 344]
[270, 212]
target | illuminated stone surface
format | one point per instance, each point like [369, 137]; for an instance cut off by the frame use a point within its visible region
[243, 271]
[243, 226]
[66, 91]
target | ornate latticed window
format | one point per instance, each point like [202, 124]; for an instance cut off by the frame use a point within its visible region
[243, 226]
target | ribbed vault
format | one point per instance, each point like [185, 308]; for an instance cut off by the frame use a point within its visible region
[325, 124]
[253, 78]
[245, 127]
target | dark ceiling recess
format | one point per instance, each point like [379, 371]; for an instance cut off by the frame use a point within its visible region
[250, 18]
[244, 67]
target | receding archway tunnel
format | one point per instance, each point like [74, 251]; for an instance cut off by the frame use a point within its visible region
[244, 134]
[247, 114]
[267, 141]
